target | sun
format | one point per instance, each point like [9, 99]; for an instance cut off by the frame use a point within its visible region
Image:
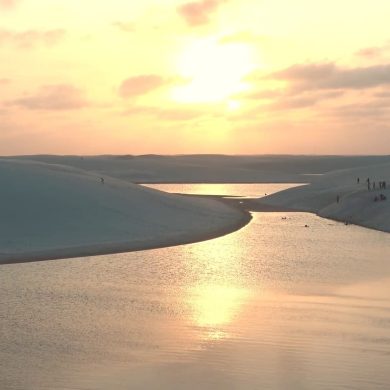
[215, 71]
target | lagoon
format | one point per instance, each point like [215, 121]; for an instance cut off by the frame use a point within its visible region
[275, 305]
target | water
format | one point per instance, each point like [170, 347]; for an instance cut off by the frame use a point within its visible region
[252, 190]
[272, 306]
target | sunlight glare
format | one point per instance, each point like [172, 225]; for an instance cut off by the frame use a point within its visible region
[216, 71]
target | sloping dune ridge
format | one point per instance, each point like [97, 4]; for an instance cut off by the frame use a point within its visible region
[52, 211]
[356, 203]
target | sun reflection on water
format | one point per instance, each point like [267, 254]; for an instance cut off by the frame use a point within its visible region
[217, 296]
[215, 307]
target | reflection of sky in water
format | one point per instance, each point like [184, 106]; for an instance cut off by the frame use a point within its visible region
[218, 293]
[274, 306]
[253, 190]
[214, 308]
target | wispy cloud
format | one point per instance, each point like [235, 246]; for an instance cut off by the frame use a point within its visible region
[374, 52]
[169, 114]
[53, 97]
[31, 38]
[8, 4]
[330, 76]
[198, 12]
[128, 27]
[140, 85]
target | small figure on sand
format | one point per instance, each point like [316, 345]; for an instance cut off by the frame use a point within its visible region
[368, 184]
[338, 198]
[358, 180]
[102, 180]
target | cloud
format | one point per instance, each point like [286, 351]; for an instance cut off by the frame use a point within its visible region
[140, 85]
[264, 94]
[198, 12]
[374, 52]
[169, 114]
[8, 4]
[329, 76]
[305, 72]
[53, 97]
[383, 94]
[293, 103]
[125, 26]
[371, 111]
[31, 38]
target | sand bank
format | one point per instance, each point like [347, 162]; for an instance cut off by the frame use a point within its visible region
[338, 195]
[51, 211]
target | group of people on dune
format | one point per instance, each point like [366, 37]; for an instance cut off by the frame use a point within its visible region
[371, 186]
[381, 186]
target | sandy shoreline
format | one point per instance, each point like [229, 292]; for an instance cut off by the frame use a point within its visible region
[121, 247]
[244, 206]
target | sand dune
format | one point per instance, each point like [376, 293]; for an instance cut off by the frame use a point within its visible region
[51, 211]
[211, 168]
[56, 206]
[356, 203]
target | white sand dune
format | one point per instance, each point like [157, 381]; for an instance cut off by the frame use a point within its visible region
[51, 211]
[356, 204]
[211, 168]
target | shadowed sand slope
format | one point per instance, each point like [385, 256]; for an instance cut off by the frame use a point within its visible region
[51, 211]
[356, 203]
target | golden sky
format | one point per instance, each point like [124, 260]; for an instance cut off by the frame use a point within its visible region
[207, 76]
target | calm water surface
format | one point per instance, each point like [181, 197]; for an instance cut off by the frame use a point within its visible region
[272, 306]
[252, 190]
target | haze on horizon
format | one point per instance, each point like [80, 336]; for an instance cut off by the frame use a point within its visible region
[202, 76]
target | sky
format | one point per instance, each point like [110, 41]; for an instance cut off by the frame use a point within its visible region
[208, 76]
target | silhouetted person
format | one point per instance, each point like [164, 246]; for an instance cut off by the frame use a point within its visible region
[358, 180]
[338, 198]
[102, 180]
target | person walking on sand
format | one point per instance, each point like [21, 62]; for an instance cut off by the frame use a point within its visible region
[368, 183]
[338, 198]
[358, 180]
[102, 180]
